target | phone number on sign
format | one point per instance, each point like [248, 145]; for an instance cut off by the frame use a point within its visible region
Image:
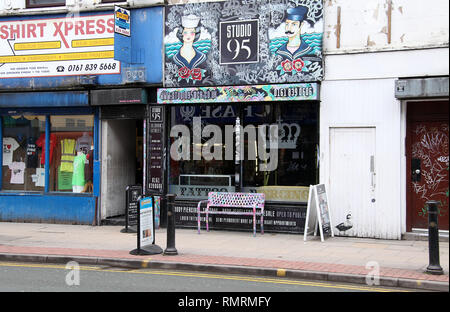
[89, 67]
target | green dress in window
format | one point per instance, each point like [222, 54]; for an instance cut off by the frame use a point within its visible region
[78, 170]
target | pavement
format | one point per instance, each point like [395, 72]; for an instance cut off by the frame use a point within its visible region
[399, 263]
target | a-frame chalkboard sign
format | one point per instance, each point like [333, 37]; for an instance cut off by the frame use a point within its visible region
[318, 213]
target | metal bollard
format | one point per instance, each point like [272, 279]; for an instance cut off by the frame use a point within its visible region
[433, 239]
[171, 250]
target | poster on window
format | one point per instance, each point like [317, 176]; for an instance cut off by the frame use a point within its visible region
[243, 42]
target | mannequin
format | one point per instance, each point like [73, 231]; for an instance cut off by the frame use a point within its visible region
[78, 172]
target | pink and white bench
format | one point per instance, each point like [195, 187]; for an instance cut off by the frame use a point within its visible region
[233, 204]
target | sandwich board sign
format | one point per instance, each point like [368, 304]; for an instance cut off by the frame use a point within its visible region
[146, 228]
[318, 213]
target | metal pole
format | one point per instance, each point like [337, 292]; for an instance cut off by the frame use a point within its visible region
[171, 250]
[433, 238]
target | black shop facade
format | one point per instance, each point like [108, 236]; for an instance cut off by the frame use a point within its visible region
[239, 111]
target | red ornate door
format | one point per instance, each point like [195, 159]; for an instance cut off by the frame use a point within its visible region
[428, 165]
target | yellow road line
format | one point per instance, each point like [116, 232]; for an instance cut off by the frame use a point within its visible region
[57, 57]
[20, 46]
[215, 276]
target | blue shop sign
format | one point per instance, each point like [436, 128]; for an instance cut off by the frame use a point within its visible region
[50, 51]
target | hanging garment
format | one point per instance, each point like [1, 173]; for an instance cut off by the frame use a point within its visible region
[67, 154]
[78, 170]
[41, 143]
[17, 172]
[64, 180]
[9, 146]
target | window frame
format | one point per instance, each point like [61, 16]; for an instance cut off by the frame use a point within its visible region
[49, 112]
[29, 5]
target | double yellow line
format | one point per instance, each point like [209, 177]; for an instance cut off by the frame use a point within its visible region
[214, 276]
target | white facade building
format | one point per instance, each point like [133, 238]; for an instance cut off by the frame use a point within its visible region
[368, 46]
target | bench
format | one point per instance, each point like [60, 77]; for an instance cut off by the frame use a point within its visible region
[244, 201]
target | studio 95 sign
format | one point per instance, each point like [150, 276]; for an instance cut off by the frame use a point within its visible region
[239, 42]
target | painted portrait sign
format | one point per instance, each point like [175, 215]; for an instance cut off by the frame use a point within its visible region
[243, 42]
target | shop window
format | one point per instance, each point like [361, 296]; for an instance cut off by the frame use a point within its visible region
[44, 3]
[282, 165]
[296, 166]
[71, 153]
[22, 169]
[193, 172]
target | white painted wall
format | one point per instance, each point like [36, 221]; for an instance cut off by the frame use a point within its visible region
[364, 25]
[358, 87]
[367, 103]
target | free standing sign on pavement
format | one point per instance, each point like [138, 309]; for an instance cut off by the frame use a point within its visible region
[146, 228]
[318, 213]
[132, 196]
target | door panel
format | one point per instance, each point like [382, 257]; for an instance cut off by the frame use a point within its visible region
[353, 181]
[429, 177]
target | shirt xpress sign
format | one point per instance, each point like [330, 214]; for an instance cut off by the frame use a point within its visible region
[43, 47]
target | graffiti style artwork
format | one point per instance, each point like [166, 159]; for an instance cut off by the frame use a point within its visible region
[346, 225]
[243, 43]
[299, 51]
[431, 150]
[187, 46]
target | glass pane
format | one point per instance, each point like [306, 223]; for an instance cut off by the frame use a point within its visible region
[22, 168]
[296, 157]
[201, 158]
[71, 153]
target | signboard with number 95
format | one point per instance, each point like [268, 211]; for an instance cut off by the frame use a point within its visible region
[239, 42]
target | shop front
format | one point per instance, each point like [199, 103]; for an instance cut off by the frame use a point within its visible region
[67, 85]
[262, 140]
[60, 187]
[241, 104]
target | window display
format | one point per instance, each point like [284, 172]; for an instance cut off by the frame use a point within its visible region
[21, 154]
[297, 165]
[196, 135]
[72, 141]
[205, 151]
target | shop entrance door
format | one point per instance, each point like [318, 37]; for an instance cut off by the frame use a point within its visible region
[121, 162]
[352, 181]
[427, 162]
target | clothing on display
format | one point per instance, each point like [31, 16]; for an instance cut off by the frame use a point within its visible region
[40, 177]
[9, 146]
[67, 154]
[78, 170]
[17, 172]
[32, 157]
[41, 143]
[64, 180]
